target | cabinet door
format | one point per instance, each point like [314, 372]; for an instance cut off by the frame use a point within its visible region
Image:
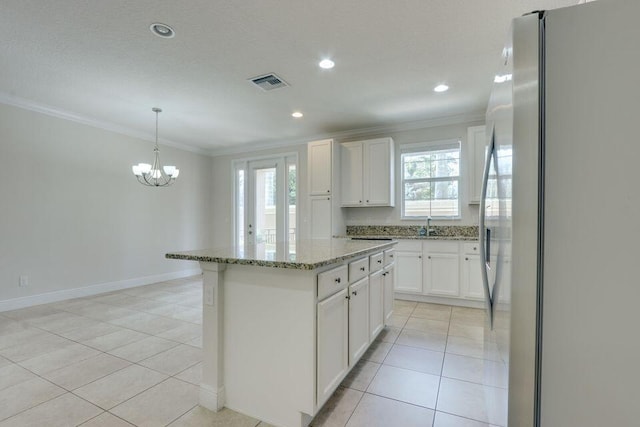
[378, 173]
[389, 272]
[476, 144]
[358, 320]
[408, 272]
[441, 273]
[320, 217]
[333, 342]
[472, 285]
[319, 167]
[376, 304]
[351, 174]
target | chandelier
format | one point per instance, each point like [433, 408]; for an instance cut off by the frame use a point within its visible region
[155, 175]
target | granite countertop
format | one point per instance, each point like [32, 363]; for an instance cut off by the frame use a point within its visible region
[438, 232]
[303, 255]
[416, 237]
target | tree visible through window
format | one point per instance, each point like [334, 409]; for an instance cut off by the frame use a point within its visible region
[431, 181]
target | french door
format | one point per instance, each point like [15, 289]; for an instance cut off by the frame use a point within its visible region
[265, 202]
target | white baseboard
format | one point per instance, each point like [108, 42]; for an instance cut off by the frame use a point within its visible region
[211, 398]
[22, 302]
[439, 300]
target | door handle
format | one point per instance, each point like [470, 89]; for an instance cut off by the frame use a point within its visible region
[484, 236]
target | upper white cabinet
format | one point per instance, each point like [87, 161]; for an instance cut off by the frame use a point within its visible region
[320, 167]
[476, 143]
[367, 173]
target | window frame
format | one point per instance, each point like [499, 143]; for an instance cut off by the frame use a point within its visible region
[425, 147]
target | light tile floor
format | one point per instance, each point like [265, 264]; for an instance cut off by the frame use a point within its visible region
[133, 357]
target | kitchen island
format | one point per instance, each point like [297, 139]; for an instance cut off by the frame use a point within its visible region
[283, 324]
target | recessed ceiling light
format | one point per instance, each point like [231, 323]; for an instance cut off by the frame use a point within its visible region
[297, 114]
[441, 88]
[326, 64]
[162, 30]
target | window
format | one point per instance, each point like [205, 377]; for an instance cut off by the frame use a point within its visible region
[431, 180]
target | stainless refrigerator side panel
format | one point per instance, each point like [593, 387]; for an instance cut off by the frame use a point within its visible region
[524, 280]
[590, 369]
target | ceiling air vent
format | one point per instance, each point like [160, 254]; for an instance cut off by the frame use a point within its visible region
[269, 82]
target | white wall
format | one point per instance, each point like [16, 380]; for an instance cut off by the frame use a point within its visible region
[73, 215]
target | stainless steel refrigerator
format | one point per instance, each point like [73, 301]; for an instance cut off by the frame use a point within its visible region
[560, 217]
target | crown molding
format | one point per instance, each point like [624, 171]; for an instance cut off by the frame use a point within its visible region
[48, 110]
[478, 116]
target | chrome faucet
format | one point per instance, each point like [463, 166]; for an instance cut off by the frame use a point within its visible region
[428, 226]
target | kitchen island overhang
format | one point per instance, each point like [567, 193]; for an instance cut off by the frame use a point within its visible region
[260, 323]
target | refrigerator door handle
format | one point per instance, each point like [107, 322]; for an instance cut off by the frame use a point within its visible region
[485, 233]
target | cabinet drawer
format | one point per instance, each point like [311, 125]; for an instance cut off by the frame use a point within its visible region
[472, 248]
[375, 262]
[389, 256]
[409, 245]
[332, 281]
[358, 269]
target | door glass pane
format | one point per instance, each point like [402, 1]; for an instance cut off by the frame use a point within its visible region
[240, 207]
[265, 208]
[292, 186]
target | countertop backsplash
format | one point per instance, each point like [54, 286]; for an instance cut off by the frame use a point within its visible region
[454, 231]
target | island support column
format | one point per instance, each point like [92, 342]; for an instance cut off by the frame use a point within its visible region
[212, 393]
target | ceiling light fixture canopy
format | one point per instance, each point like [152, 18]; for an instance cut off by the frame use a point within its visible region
[297, 114]
[155, 175]
[441, 88]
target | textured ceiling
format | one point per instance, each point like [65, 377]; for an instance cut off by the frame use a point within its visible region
[98, 60]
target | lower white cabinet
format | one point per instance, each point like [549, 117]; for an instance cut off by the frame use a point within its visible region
[333, 343]
[441, 274]
[472, 286]
[408, 272]
[320, 216]
[358, 319]
[376, 304]
[389, 272]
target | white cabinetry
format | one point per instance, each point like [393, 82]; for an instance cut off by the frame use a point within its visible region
[376, 304]
[351, 173]
[325, 216]
[408, 271]
[367, 170]
[333, 342]
[476, 147]
[358, 319]
[320, 212]
[320, 167]
[389, 275]
[471, 283]
[441, 268]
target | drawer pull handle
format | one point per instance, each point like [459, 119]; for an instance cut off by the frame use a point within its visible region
[475, 249]
[466, 259]
[379, 261]
[391, 256]
[354, 293]
[361, 268]
[338, 280]
[347, 297]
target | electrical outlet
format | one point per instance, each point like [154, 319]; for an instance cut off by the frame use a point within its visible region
[23, 281]
[208, 295]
